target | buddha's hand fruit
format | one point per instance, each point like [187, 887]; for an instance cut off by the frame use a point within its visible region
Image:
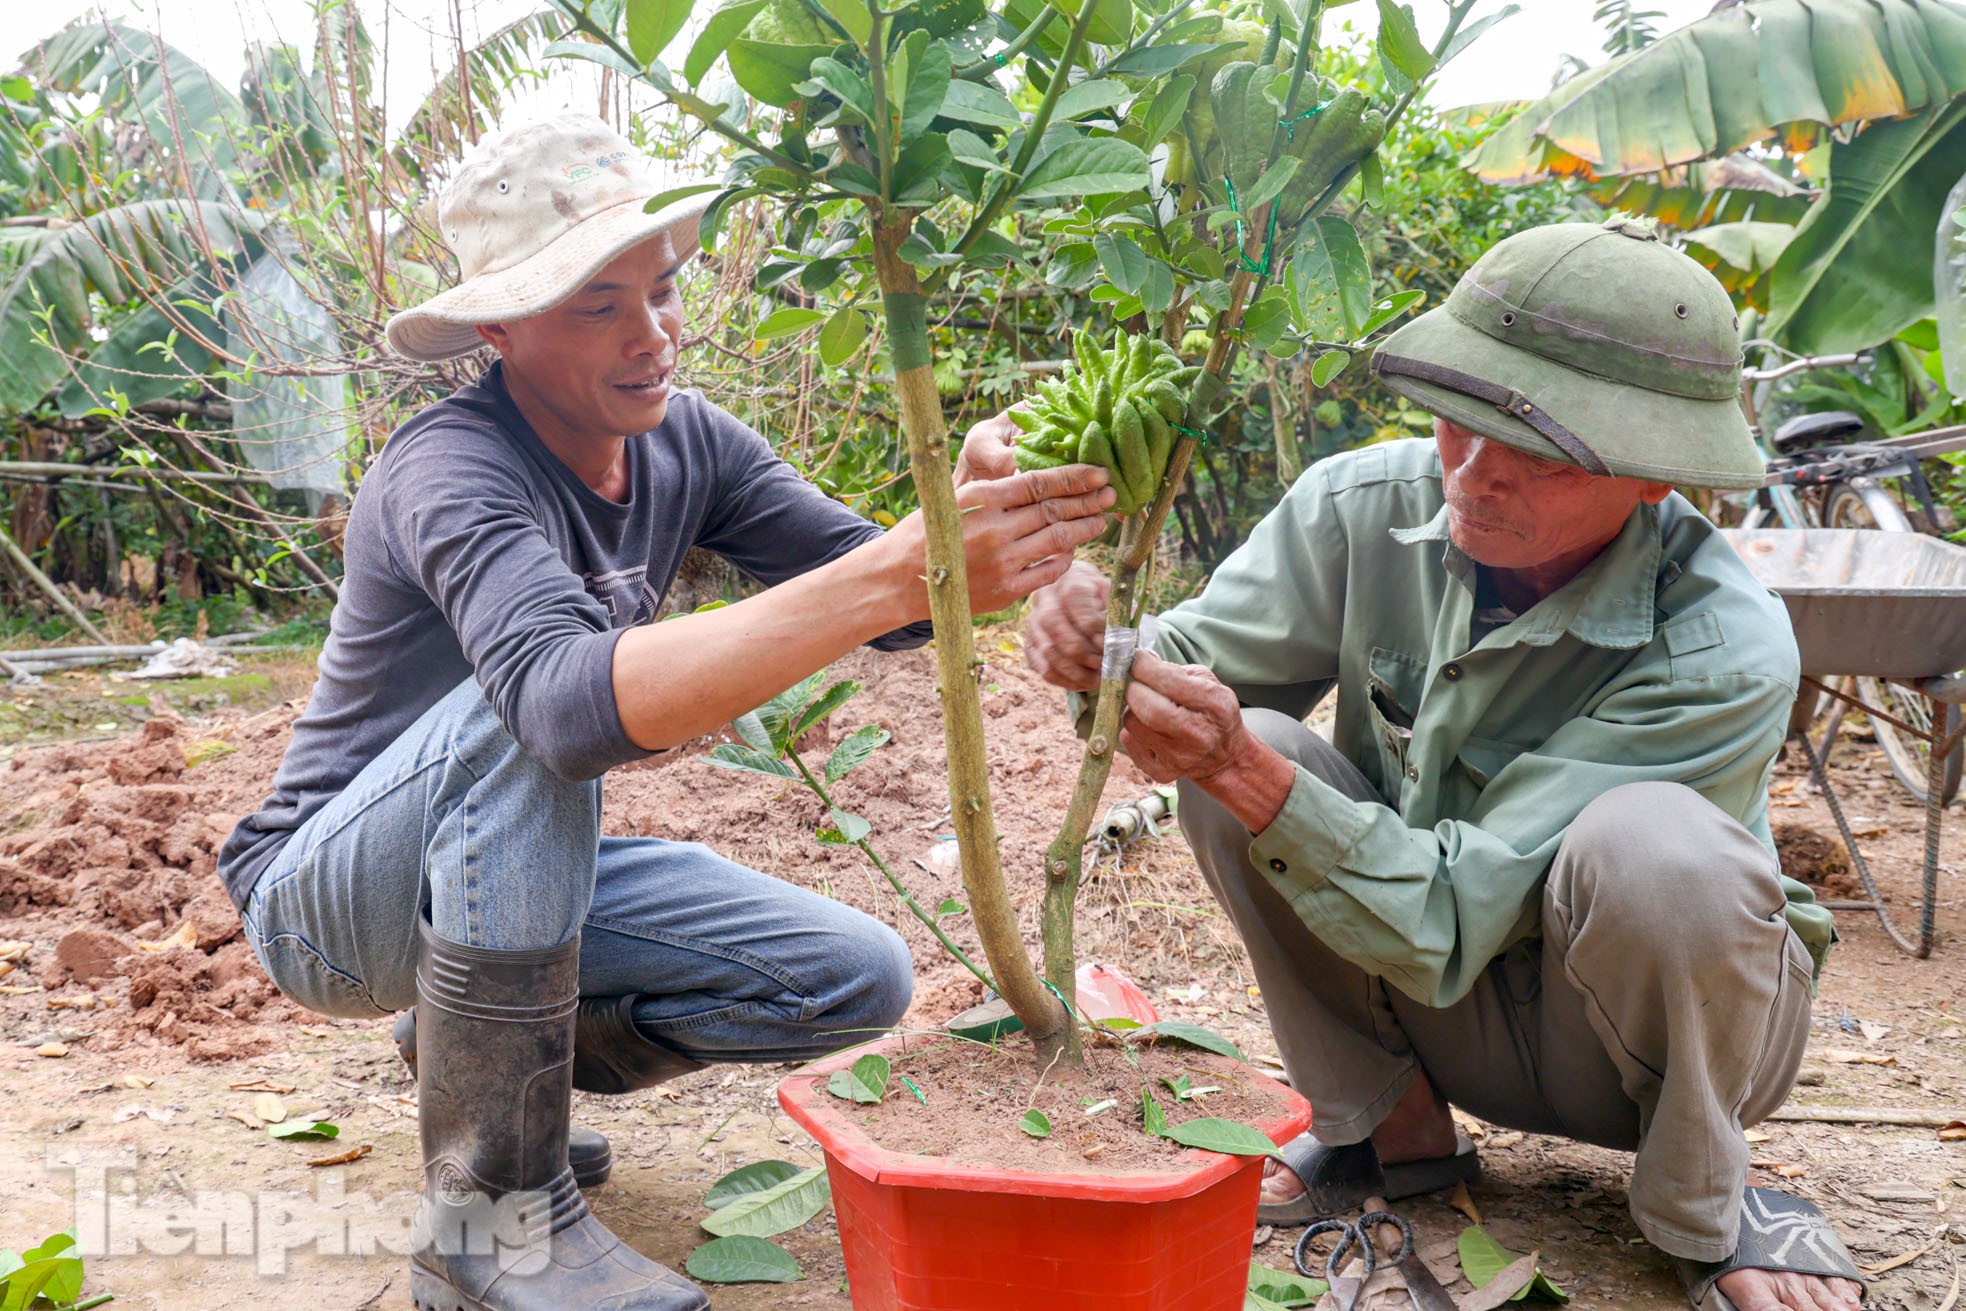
[1116, 408]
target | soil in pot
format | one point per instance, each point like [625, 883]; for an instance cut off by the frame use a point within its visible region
[977, 1096]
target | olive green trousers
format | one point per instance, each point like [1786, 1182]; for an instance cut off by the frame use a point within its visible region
[1663, 1008]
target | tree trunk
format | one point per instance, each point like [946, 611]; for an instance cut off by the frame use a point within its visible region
[990, 906]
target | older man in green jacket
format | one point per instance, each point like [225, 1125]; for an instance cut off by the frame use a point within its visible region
[1531, 872]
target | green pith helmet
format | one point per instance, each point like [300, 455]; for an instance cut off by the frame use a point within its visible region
[1598, 346]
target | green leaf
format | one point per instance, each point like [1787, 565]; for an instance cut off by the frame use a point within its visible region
[1482, 1258]
[772, 72]
[773, 1210]
[1468, 35]
[979, 102]
[788, 322]
[832, 699]
[1152, 1118]
[304, 1128]
[1264, 322]
[1086, 97]
[852, 753]
[1122, 259]
[592, 52]
[749, 760]
[1112, 21]
[1389, 309]
[864, 1081]
[1036, 1123]
[841, 338]
[1332, 280]
[34, 1278]
[1225, 1136]
[1372, 182]
[843, 84]
[1158, 61]
[1284, 1290]
[745, 1180]
[950, 906]
[1192, 1035]
[742, 1259]
[1329, 365]
[717, 34]
[1269, 186]
[777, 714]
[851, 828]
[753, 731]
[64, 1282]
[853, 15]
[1245, 119]
[653, 24]
[928, 86]
[1859, 269]
[1087, 167]
[1165, 111]
[968, 148]
[1400, 43]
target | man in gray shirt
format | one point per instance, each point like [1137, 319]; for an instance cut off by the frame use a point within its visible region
[433, 837]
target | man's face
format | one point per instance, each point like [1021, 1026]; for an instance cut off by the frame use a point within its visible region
[1510, 510]
[601, 360]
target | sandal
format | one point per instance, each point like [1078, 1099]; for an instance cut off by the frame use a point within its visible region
[1778, 1232]
[1340, 1179]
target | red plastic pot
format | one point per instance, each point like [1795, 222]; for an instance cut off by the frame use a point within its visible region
[924, 1233]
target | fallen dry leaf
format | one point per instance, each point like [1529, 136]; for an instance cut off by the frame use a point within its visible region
[1785, 1169]
[316, 1031]
[52, 1050]
[246, 1118]
[15, 990]
[86, 1002]
[1954, 1132]
[185, 936]
[261, 1084]
[1463, 1203]
[1858, 1058]
[269, 1108]
[1872, 1030]
[1502, 1289]
[1952, 1294]
[1756, 1136]
[352, 1154]
[13, 949]
[159, 1114]
[136, 1081]
[1904, 1258]
[1507, 1138]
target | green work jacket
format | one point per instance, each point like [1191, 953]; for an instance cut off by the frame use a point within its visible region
[1664, 660]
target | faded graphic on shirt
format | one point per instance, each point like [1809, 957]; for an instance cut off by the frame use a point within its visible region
[626, 594]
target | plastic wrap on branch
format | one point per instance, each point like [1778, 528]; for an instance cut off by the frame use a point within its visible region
[293, 429]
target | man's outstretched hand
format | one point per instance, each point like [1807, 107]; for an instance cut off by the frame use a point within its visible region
[987, 451]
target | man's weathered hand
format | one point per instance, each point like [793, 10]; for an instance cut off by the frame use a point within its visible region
[1065, 635]
[1019, 531]
[987, 452]
[1181, 722]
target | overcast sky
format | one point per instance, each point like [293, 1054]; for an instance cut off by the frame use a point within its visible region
[1513, 60]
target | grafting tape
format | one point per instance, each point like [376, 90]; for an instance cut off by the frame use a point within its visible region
[1122, 644]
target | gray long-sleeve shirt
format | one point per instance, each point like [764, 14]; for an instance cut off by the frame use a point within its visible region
[473, 551]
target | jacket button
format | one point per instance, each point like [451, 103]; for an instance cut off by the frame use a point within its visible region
[1451, 672]
[1413, 773]
[1279, 866]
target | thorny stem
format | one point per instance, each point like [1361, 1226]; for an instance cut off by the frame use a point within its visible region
[900, 889]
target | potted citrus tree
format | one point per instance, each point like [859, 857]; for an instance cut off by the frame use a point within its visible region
[1190, 163]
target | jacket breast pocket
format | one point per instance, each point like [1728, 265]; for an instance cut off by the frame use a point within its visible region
[1393, 685]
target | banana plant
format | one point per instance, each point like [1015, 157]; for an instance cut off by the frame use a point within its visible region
[912, 152]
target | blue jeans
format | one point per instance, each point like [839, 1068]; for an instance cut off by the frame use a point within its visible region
[456, 818]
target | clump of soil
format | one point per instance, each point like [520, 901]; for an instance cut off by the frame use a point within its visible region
[977, 1095]
[1818, 860]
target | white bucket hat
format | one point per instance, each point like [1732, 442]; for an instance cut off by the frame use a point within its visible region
[532, 215]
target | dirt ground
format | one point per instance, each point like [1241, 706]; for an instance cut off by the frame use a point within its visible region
[143, 1134]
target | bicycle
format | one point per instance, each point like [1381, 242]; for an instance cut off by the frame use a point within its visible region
[1829, 471]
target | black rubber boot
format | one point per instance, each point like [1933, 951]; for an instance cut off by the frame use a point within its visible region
[610, 1055]
[501, 1225]
[588, 1154]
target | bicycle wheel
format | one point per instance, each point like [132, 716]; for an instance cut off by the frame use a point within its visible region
[1865, 504]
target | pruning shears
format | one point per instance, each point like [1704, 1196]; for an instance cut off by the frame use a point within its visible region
[1426, 1291]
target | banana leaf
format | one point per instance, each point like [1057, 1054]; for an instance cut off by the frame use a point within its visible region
[1859, 271]
[1743, 75]
[48, 275]
[1741, 254]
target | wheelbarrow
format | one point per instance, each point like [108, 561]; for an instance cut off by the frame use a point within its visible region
[1874, 609]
